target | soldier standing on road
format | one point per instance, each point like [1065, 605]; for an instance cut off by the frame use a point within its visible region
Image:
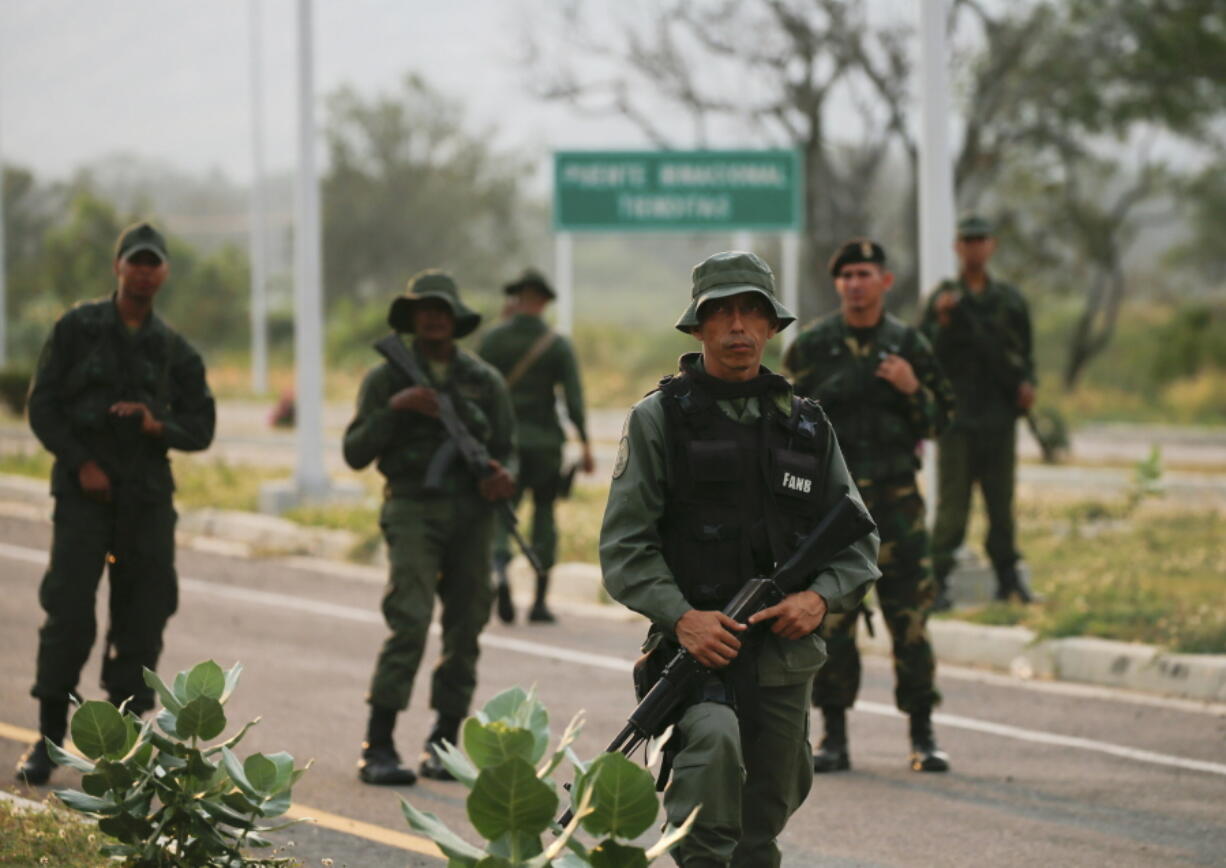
[115, 389]
[980, 328]
[438, 541]
[535, 360]
[877, 379]
[700, 503]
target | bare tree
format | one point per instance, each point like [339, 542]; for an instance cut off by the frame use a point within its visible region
[784, 73]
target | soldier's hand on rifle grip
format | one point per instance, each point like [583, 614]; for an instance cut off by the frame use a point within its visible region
[417, 399]
[94, 481]
[709, 636]
[1025, 396]
[499, 485]
[796, 616]
[898, 372]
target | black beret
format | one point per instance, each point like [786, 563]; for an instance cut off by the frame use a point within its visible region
[854, 251]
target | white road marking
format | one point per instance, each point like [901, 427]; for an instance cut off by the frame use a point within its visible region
[619, 664]
[1039, 737]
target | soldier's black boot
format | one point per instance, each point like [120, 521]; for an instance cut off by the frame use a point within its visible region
[925, 755]
[446, 728]
[502, 592]
[380, 764]
[832, 755]
[1011, 586]
[540, 613]
[35, 766]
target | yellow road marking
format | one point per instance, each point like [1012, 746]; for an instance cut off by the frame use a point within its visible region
[371, 832]
[17, 733]
[335, 822]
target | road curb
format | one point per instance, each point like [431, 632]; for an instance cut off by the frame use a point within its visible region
[1015, 650]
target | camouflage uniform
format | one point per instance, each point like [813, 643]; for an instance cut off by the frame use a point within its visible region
[986, 348]
[438, 542]
[91, 361]
[662, 485]
[879, 430]
[540, 436]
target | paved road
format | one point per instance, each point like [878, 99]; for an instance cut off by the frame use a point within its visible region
[1043, 774]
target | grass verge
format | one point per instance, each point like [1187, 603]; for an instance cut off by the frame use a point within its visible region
[48, 837]
[1148, 571]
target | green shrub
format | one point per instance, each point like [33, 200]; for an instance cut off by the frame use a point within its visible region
[15, 387]
[167, 799]
[513, 800]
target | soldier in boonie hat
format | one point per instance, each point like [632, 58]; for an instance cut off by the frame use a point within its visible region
[432, 283]
[731, 273]
[530, 278]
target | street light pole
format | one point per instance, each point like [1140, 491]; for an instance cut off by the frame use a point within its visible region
[936, 186]
[257, 255]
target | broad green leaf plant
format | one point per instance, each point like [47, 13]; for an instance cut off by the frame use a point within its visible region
[166, 797]
[514, 801]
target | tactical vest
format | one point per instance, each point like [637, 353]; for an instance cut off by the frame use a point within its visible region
[870, 417]
[742, 495]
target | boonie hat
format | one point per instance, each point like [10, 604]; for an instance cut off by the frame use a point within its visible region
[974, 226]
[140, 238]
[530, 279]
[855, 251]
[731, 273]
[431, 283]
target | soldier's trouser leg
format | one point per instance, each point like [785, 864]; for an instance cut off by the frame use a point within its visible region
[464, 590]
[838, 681]
[779, 766]
[954, 479]
[542, 468]
[144, 594]
[905, 593]
[709, 771]
[997, 476]
[417, 533]
[746, 797]
[81, 537]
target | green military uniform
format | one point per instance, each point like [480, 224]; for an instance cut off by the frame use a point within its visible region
[507, 347]
[658, 548]
[986, 350]
[879, 431]
[91, 361]
[438, 541]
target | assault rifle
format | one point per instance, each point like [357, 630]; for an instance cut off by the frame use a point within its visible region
[460, 443]
[843, 525]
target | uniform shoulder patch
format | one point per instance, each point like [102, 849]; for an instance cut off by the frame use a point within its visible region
[623, 448]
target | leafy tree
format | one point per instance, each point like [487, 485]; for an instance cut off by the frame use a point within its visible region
[409, 188]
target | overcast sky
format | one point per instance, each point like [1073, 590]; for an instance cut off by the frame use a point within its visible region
[170, 78]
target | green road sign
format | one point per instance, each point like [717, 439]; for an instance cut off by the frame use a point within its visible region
[659, 191]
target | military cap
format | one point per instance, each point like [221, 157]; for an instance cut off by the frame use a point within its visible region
[432, 283]
[530, 279]
[975, 226]
[140, 238]
[855, 251]
[731, 273]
